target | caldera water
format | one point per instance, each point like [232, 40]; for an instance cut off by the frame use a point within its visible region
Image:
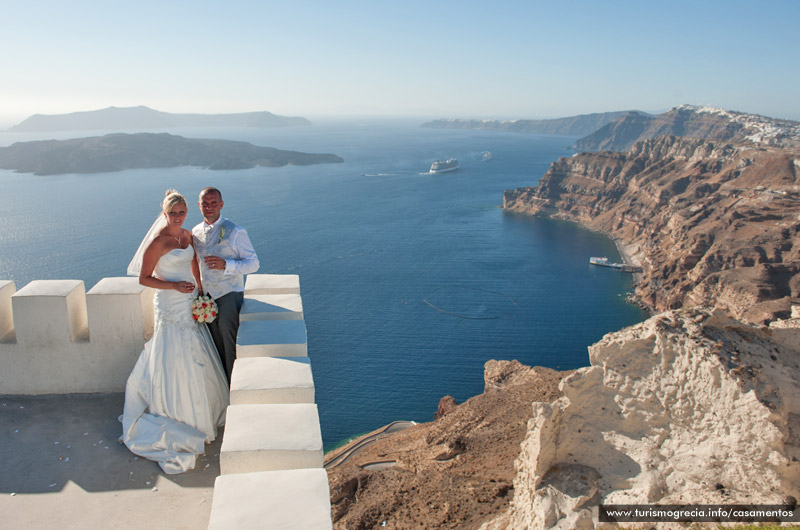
[410, 281]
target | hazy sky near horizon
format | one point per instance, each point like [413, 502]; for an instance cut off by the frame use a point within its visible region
[469, 59]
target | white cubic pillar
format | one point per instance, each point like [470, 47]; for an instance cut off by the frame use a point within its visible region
[272, 284]
[7, 289]
[262, 380]
[298, 498]
[271, 437]
[50, 313]
[120, 312]
[272, 338]
[271, 307]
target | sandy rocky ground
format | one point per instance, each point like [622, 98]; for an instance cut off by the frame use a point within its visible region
[454, 472]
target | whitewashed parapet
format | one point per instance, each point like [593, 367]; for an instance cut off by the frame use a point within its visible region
[297, 498]
[272, 338]
[271, 437]
[7, 289]
[271, 307]
[50, 313]
[120, 309]
[271, 380]
[271, 455]
[272, 284]
[58, 339]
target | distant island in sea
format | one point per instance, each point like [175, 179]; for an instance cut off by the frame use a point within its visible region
[119, 151]
[144, 117]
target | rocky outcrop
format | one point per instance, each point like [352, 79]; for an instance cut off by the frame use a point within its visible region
[127, 118]
[688, 407]
[690, 121]
[115, 152]
[446, 405]
[454, 472]
[580, 125]
[710, 223]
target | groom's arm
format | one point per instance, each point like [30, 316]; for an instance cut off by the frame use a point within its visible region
[246, 261]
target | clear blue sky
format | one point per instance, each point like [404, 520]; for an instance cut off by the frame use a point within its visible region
[502, 59]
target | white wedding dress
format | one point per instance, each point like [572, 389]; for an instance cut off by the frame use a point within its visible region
[177, 393]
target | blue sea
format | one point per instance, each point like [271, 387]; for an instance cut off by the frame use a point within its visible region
[410, 281]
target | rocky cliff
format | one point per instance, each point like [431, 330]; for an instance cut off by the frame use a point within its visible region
[710, 223]
[697, 405]
[689, 407]
[690, 121]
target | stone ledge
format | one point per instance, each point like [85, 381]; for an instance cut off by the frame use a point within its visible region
[120, 310]
[7, 290]
[265, 380]
[51, 312]
[298, 498]
[271, 437]
[272, 338]
[272, 284]
[271, 307]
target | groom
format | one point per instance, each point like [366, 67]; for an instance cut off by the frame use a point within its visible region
[226, 255]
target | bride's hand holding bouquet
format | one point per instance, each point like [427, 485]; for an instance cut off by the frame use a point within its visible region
[204, 309]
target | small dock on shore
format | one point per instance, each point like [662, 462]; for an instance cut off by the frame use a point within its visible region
[623, 267]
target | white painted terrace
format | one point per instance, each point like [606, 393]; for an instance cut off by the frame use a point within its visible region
[56, 339]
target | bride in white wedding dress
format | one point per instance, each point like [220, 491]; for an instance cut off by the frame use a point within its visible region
[177, 393]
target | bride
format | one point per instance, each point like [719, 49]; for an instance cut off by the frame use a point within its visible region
[176, 394]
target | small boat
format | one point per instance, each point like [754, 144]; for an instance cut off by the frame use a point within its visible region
[441, 166]
[487, 155]
[603, 262]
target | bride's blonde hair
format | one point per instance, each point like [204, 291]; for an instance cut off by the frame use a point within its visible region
[171, 198]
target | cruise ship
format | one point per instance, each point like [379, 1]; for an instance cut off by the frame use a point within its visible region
[441, 166]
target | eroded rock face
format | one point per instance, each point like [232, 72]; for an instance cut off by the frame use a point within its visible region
[710, 223]
[686, 407]
[446, 405]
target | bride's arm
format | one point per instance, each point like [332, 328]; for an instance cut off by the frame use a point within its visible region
[196, 269]
[149, 261]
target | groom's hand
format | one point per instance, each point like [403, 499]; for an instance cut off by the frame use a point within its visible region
[215, 263]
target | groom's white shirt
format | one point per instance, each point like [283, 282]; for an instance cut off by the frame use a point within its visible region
[234, 247]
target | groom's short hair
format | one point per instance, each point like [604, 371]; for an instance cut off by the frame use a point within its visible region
[211, 189]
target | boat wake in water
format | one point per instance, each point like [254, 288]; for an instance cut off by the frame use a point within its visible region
[494, 307]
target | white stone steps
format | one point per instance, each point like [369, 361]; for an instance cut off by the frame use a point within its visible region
[272, 338]
[265, 380]
[297, 498]
[271, 459]
[272, 284]
[271, 307]
[271, 437]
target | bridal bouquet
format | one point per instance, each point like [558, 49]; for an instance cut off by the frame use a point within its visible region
[204, 309]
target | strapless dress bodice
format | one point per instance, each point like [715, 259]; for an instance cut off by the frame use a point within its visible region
[176, 265]
[174, 307]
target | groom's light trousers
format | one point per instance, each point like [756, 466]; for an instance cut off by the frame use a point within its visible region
[225, 327]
